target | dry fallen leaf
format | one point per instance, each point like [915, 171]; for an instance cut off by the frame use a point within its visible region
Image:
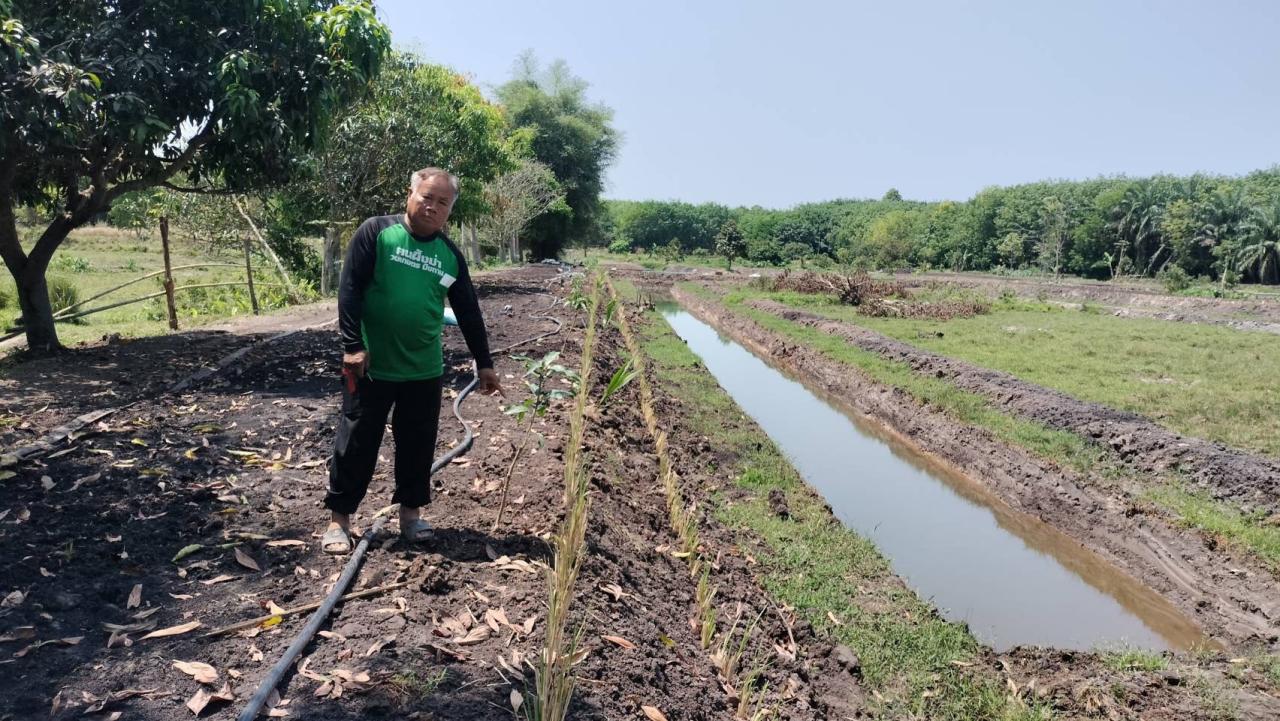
[172, 630]
[516, 701]
[218, 579]
[619, 641]
[18, 633]
[246, 560]
[13, 600]
[834, 620]
[135, 597]
[653, 713]
[203, 697]
[272, 608]
[614, 590]
[201, 672]
[286, 542]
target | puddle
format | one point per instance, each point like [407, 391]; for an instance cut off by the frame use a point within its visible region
[1013, 579]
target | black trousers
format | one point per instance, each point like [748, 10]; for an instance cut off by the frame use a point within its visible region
[364, 418]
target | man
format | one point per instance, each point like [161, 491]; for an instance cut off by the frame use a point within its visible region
[398, 272]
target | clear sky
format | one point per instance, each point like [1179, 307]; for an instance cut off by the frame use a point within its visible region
[778, 103]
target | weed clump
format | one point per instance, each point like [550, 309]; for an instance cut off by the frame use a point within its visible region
[876, 298]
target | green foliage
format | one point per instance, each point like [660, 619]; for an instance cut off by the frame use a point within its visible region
[7, 296]
[1175, 279]
[569, 134]
[63, 292]
[539, 376]
[160, 94]
[1132, 659]
[71, 264]
[619, 380]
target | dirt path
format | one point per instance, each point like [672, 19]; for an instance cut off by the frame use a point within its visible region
[236, 467]
[1212, 586]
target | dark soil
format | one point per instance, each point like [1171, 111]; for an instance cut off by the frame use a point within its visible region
[241, 459]
[1229, 596]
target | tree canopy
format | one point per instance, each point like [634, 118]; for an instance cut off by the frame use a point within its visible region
[103, 98]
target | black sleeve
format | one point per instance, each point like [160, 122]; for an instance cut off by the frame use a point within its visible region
[357, 272]
[462, 298]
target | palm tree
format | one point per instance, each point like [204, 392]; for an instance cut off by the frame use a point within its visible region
[1261, 250]
[1136, 220]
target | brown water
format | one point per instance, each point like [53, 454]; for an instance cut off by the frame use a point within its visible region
[1012, 578]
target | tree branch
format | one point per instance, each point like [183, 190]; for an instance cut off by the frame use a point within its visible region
[183, 160]
[196, 191]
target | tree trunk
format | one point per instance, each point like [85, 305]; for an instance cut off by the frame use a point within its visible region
[475, 244]
[329, 274]
[37, 313]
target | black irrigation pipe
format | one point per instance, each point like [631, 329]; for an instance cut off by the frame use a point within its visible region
[308, 632]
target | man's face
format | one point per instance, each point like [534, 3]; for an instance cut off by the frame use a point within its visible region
[429, 204]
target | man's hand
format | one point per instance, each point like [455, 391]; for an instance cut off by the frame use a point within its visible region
[355, 363]
[489, 384]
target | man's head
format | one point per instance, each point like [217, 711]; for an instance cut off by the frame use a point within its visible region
[432, 193]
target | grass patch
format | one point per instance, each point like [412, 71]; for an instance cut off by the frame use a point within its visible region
[96, 258]
[1134, 660]
[1218, 519]
[908, 653]
[1200, 380]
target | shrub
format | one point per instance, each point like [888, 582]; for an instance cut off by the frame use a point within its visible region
[7, 297]
[1175, 279]
[620, 246]
[62, 292]
[72, 264]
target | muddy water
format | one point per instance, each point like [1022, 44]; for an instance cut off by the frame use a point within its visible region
[1013, 579]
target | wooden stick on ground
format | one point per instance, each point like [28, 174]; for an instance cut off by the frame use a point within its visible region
[313, 606]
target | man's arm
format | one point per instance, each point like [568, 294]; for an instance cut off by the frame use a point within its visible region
[462, 298]
[357, 273]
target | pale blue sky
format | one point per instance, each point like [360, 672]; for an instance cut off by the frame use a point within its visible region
[777, 103]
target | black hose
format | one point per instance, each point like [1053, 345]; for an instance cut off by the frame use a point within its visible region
[272, 679]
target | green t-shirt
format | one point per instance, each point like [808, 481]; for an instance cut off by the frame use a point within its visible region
[396, 284]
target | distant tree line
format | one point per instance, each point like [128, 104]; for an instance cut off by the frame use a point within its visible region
[1222, 228]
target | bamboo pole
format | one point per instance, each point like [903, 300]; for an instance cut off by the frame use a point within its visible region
[266, 247]
[139, 279]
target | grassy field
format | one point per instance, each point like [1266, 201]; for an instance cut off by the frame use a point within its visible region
[1200, 380]
[912, 659]
[95, 259]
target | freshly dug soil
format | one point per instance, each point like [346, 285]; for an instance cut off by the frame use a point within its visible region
[1231, 598]
[237, 465]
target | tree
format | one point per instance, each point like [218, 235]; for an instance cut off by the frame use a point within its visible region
[421, 115]
[100, 100]
[1260, 253]
[730, 243]
[892, 195]
[572, 136]
[517, 198]
[1055, 235]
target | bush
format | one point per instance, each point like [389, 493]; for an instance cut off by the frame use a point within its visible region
[72, 264]
[62, 293]
[1175, 279]
[620, 246]
[8, 297]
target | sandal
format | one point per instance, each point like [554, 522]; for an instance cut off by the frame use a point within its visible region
[336, 541]
[416, 530]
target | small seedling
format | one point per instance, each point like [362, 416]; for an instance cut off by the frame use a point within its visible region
[539, 377]
[620, 379]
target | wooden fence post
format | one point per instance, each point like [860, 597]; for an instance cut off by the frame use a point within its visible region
[168, 274]
[248, 271]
